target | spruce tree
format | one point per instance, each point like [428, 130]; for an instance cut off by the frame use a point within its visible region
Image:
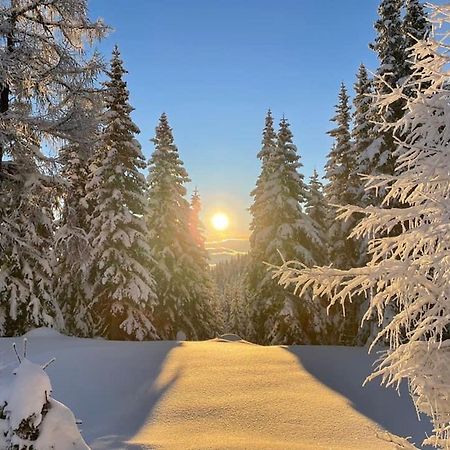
[122, 288]
[363, 134]
[342, 189]
[390, 46]
[202, 293]
[342, 182]
[278, 317]
[317, 210]
[37, 106]
[260, 210]
[415, 26]
[72, 249]
[184, 298]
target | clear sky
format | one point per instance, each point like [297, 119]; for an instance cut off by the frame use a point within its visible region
[216, 66]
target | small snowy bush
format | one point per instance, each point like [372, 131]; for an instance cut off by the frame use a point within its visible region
[30, 419]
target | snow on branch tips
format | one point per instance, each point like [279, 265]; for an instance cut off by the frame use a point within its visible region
[408, 268]
[29, 417]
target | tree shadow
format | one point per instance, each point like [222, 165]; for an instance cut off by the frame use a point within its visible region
[344, 369]
[115, 378]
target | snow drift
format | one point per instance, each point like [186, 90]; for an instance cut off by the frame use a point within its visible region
[218, 394]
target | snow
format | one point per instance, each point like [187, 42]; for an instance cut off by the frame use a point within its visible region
[60, 422]
[28, 392]
[222, 393]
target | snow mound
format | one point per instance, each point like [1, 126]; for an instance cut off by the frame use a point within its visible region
[43, 332]
[30, 418]
[60, 431]
[29, 391]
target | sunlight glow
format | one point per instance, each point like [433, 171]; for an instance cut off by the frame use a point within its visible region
[220, 221]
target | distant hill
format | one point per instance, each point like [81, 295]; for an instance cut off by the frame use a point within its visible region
[226, 249]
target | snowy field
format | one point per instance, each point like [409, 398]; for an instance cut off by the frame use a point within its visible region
[220, 394]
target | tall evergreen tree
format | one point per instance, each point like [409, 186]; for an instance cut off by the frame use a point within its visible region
[318, 211]
[202, 290]
[278, 318]
[37, 105]
[260, 210]
[123, 294]
[342, 184]
[71, 247]
[363, 133]
[390, 46]
[343, 188]
[415, 25]
[184, 302]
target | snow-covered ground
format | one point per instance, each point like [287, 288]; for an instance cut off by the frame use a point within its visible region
[219, 394]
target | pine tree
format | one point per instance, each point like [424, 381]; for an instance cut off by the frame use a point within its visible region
[72, 247]
[26, 240]
[390, 46]
[202, 294]
[415, 25]
[260, 210]
[37, 105]
[317, 210]
[342, 187]
[184, 302]
[364, 135]
[278, 318]
[122, 294]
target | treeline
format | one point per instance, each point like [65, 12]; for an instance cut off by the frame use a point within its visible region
[297, 220]
[92, 246]
[88, 243]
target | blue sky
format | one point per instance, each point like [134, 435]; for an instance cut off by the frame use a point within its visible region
[215, 66]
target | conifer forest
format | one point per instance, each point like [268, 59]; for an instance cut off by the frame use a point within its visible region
[101, 242]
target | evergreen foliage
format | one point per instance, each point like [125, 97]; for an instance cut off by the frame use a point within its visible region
[410, 270]
[286, 231]
[122, 288]
[317, 210]
[184, 297]
[38, 105]
[72, 249]
[343, 182]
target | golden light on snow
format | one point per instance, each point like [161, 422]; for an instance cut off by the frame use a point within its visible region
[220, 221]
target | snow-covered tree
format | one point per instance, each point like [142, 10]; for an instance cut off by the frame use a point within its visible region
[318, 211]
[30, 418]
[195, 224]
[72, 249]
[411, 270]
[342, 187]
[390, 47]
[233, 296]
[286, 230]
[122, 290]
[184, 297]
[43, 70]
[363, 134]
[415, 24]
[25, 245]
[260, 209]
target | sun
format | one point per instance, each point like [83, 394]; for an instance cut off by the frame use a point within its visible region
[220, 221]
